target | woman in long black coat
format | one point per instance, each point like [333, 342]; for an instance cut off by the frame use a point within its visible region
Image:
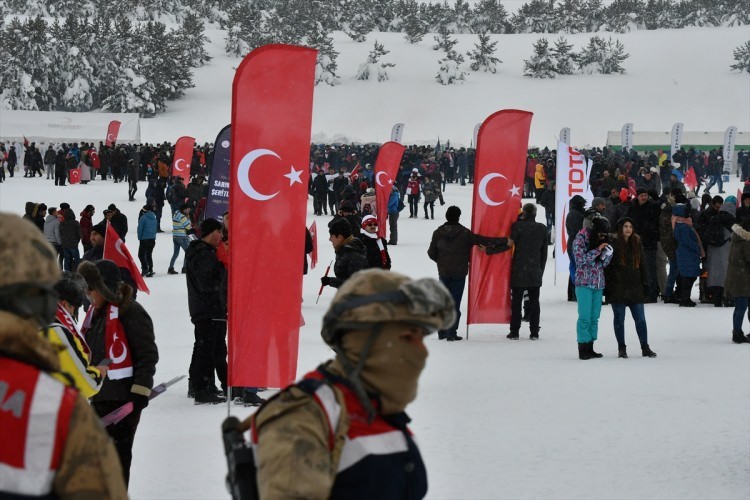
[626, 281]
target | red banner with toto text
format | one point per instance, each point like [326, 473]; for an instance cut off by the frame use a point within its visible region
[112, 131]
[272, 99]
[502, 145]
[386, 170]
[183, 155]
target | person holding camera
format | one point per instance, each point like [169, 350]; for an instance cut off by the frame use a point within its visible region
[626, 282]
[592, 253]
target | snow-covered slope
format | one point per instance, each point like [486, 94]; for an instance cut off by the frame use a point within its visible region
[671, 76]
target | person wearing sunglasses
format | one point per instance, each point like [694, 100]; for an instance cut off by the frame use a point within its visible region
[377, 248]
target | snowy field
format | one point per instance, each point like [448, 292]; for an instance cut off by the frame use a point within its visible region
[671, 76]
[495, 419]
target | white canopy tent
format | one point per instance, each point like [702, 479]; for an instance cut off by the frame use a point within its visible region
[652, 141]
[47, 127]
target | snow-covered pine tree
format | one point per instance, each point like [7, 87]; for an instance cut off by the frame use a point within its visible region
[325, 65]
[71, 49]
[191, 35]
[742, 58]
[483, 56]
[463, 17]
[541, 64]
[16, 89]
[35, 61]
[565, 58]
[489, 17]
[570, 16]
[246, 28]
[659, 14]
[443, 41]
[413, 26]
[623, 16]
[537, 16]
[439, 16]
[450, 72]
[601, 56]
[592, 13]
[360, 21]
[373, 67]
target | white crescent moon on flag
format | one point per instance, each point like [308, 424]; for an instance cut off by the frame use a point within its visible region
[243, 174]
[377, 178]
[177, 165]
[109, 137]
[118, 244]
[121, 357]
[482, 189]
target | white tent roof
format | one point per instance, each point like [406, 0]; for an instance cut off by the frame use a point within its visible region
[55, 126]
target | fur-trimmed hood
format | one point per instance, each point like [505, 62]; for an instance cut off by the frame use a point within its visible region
[104, 277]
[742, 233]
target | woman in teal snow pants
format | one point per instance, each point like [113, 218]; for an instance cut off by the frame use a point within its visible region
[592, 253]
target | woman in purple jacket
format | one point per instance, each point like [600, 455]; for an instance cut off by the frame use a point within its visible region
[592, 253]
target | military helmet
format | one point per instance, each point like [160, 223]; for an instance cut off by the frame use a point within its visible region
[376, 296]
[28, 270]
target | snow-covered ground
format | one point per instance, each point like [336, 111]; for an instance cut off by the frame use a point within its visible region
[495, 419]
[671, 76]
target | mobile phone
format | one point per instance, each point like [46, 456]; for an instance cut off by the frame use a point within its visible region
[105, 362]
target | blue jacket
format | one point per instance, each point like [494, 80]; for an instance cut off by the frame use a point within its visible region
[393, 201]
[147, 226]
[688, 250]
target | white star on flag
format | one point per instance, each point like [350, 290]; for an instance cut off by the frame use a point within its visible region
[294, 176]
[514, 191]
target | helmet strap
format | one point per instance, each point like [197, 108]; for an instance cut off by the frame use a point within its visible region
[352, 372]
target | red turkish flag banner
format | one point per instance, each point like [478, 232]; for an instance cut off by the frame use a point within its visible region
[386, 170]
[183, 155]
[112, 131]
[75, 175]
[690, 180]
[272, 99]
[314, 253]
[502, 145]
[116, 251]
[95, 161]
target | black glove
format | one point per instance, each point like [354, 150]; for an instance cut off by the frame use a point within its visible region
[325, 281]
[139, 401]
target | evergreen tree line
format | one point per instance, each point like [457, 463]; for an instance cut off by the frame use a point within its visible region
[598, 56]
[99, 63]
[359, 17]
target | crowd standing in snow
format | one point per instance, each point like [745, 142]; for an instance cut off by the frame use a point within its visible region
[664, 239]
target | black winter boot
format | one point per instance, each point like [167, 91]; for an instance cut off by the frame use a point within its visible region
[534, 334]
[593, 353]
[583, 351]
[647, 352]
[513, 335]
[622, 351]
[739, 338]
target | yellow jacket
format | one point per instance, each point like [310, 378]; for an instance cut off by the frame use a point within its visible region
[75, 369]
[540, 178]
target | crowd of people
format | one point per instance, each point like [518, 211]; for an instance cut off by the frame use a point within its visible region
[646, 237]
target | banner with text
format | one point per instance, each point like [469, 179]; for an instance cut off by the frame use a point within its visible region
[218, 182]
[572, 179]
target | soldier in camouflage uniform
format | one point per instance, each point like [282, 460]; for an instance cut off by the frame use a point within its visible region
[341, 431]
[52, 445]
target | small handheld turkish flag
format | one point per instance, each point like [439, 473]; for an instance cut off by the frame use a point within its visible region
[116, 251]
[75, 175]
[314, 253]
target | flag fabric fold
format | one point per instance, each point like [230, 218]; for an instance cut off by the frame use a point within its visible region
[272, 99]
[116, 251]
[386, 170]
[113, 130]
[183, 155]
[502, 145]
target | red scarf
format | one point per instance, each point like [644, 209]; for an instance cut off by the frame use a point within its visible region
[65, 319]
[115, 343]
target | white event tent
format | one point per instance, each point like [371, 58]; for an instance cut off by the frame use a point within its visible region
[56, 126]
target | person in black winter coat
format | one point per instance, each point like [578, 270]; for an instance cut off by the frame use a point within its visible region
[320, 192]
[626, 283]
[131, 346]
[377, 248]
[208, 312]
[645, 215]
[351, 255]
[529, 240]
[573, 224]
[118, 220]
[450, 248]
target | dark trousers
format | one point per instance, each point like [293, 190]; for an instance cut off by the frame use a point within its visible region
[516, 303]
[649, 255]
[393, 226]
[319, 203]
[122, 433]
[145, 255]
[456, 288]
[413, 205]
[209, 355]
[639, 317]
